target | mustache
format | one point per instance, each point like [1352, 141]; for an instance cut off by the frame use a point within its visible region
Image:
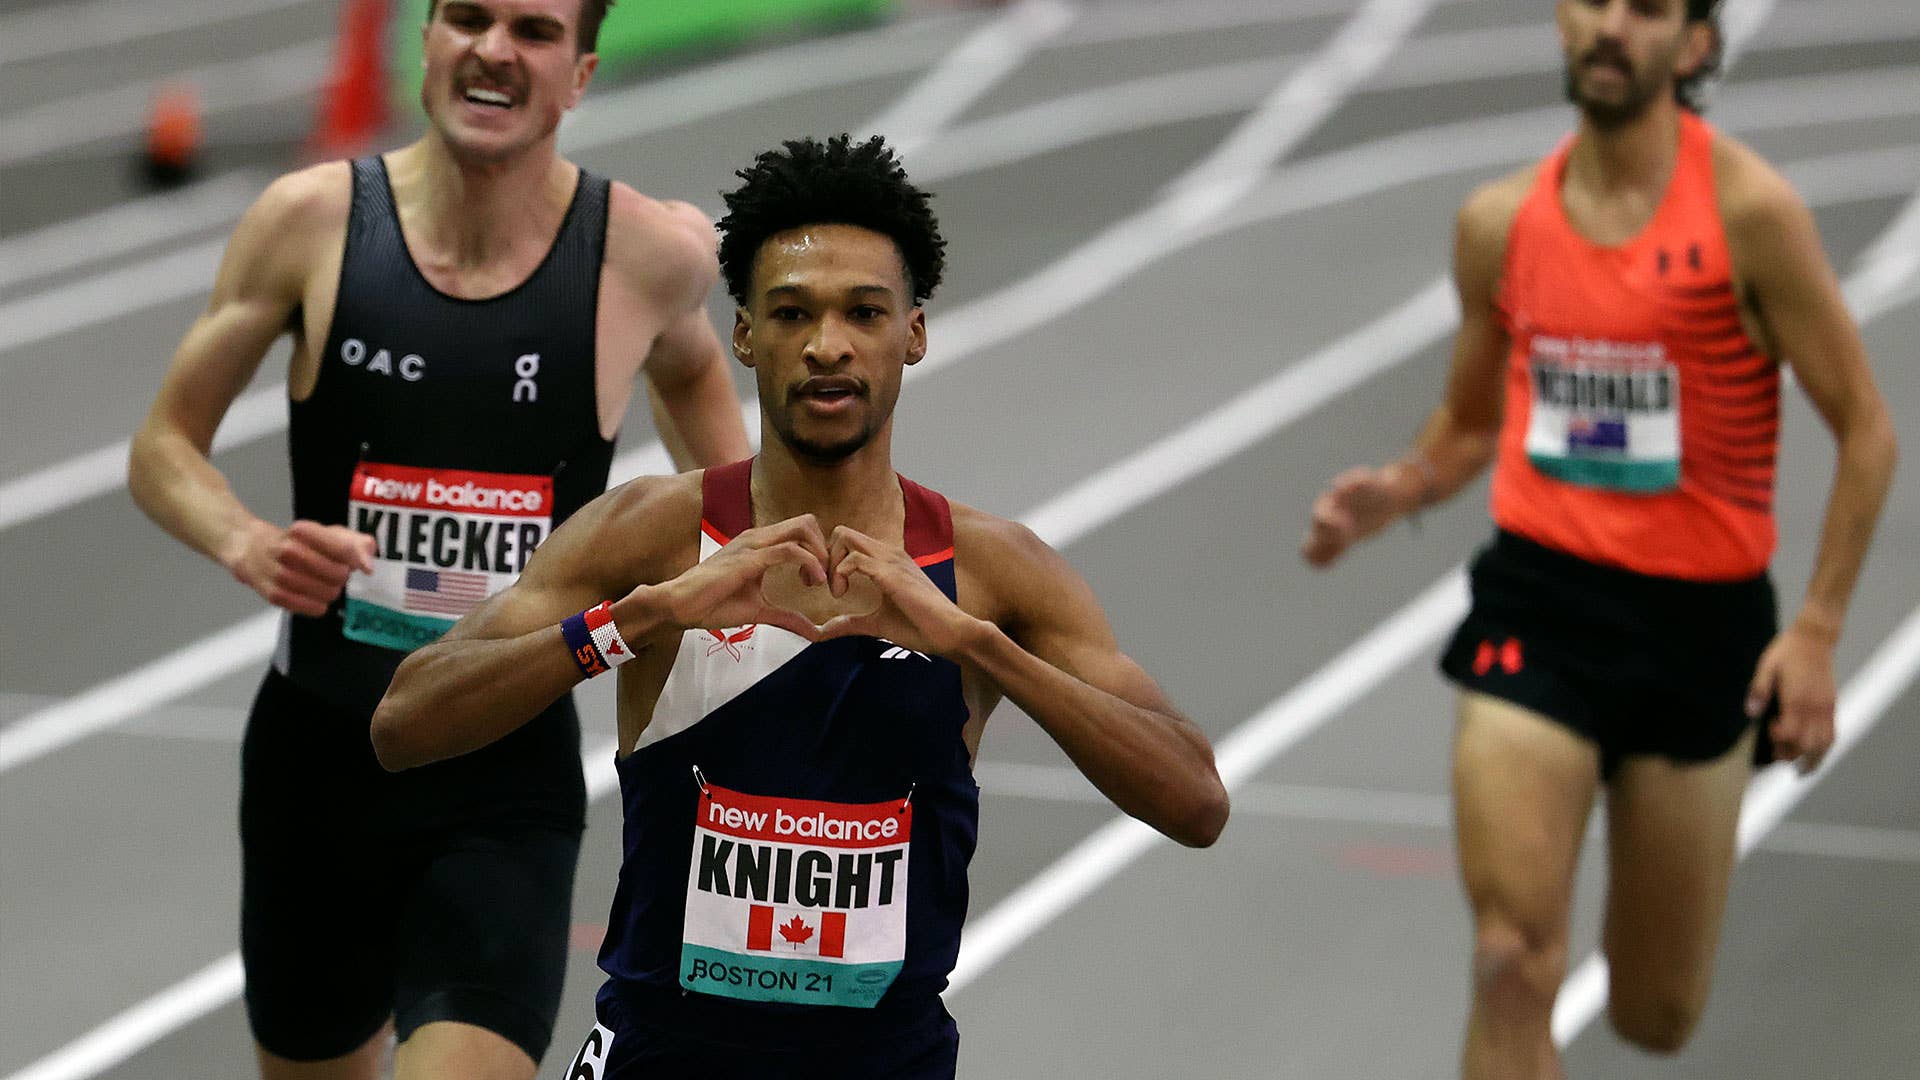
[858, 387]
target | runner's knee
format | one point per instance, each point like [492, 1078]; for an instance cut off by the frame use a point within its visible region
[1515, 965]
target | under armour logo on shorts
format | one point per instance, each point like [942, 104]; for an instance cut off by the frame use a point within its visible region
[1506, 654]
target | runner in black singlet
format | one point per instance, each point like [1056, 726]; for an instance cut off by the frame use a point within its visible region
[469, 314]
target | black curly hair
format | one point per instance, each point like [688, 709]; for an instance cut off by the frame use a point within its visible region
[1691, 92]
[808, 182]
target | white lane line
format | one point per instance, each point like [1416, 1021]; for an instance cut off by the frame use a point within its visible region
[253, 415]
[1133, 22]
[128, 226]
[1414, 810]
[729, 86]
[965, 75]
[1865, 700]
[147, 687]
[151, 1020]
[176, 275]
[55, 29]
[1116, 109]
[119, 111]
[1389, 162]
[1307, 97]
[1317, 699]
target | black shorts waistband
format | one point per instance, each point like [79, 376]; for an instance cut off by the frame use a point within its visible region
[1520, 552]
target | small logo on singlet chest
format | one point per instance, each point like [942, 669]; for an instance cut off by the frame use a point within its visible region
[525, 369]
[410, 366]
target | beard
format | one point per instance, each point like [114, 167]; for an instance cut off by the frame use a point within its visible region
[818, 451]
[1607, 115]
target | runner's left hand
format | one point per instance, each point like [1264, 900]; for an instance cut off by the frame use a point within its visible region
[1797, 668]
[913, 612]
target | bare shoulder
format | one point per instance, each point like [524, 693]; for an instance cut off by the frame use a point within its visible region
[308, 203]
[1487, 216]
[1014, 570]
[286, 234]
[650, 506]
[645, 530]
[661, 243]
[1753, 195]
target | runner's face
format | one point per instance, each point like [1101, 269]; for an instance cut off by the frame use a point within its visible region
[829, 327]
[1623, 55]
[501, 72]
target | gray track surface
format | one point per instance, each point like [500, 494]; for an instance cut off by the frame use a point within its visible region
[1324, 936]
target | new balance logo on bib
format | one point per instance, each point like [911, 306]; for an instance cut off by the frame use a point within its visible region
[446, 540]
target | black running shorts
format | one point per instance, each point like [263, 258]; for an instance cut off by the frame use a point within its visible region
[441, 893]
[1637, 665]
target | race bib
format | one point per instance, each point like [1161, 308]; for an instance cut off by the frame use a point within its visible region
[1605, 414]
[446, 540]
[796, 901]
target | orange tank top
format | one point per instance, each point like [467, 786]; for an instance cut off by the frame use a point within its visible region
[1641, 422]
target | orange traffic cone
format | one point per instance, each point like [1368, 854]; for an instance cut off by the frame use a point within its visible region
[174, 134]
[353, 103]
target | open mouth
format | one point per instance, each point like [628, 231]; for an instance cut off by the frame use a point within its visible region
[829, 392]
[488, 97]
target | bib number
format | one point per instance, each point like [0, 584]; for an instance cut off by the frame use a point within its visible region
[1600, 422]
[796, 900]
[445, 541]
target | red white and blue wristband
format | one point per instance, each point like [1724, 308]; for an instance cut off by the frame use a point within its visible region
[594, 640]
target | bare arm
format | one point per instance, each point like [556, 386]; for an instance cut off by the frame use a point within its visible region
[662, 264]
[1789, 284]
[687, 378]
[256, 296]
[1057, 659]
[1461, 436]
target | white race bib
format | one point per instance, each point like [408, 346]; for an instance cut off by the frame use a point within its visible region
[795, 900]
[1604, 414]
[446, 540]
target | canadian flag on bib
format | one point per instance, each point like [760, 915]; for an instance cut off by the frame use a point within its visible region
[796, 931]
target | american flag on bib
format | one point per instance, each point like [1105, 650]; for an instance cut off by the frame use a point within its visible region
[444, 592]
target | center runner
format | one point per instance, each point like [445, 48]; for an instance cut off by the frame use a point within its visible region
[816, 644]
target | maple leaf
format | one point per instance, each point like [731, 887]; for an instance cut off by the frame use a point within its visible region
[796, 931]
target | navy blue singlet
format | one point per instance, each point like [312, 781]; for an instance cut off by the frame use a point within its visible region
[799, 819]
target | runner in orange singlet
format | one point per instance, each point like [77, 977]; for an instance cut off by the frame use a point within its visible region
[1625, 306]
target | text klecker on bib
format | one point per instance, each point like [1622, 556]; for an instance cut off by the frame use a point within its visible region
[796, 901]
[445, 540]
[1604, 414]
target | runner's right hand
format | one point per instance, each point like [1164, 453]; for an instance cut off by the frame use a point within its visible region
[301, 568]
[1359, 503]
[724, 590]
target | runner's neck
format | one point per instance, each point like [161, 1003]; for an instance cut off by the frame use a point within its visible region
[469, 214]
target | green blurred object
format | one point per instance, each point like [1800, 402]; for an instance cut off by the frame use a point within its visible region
[638, 30]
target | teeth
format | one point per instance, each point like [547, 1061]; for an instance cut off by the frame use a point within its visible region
[488, 97]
